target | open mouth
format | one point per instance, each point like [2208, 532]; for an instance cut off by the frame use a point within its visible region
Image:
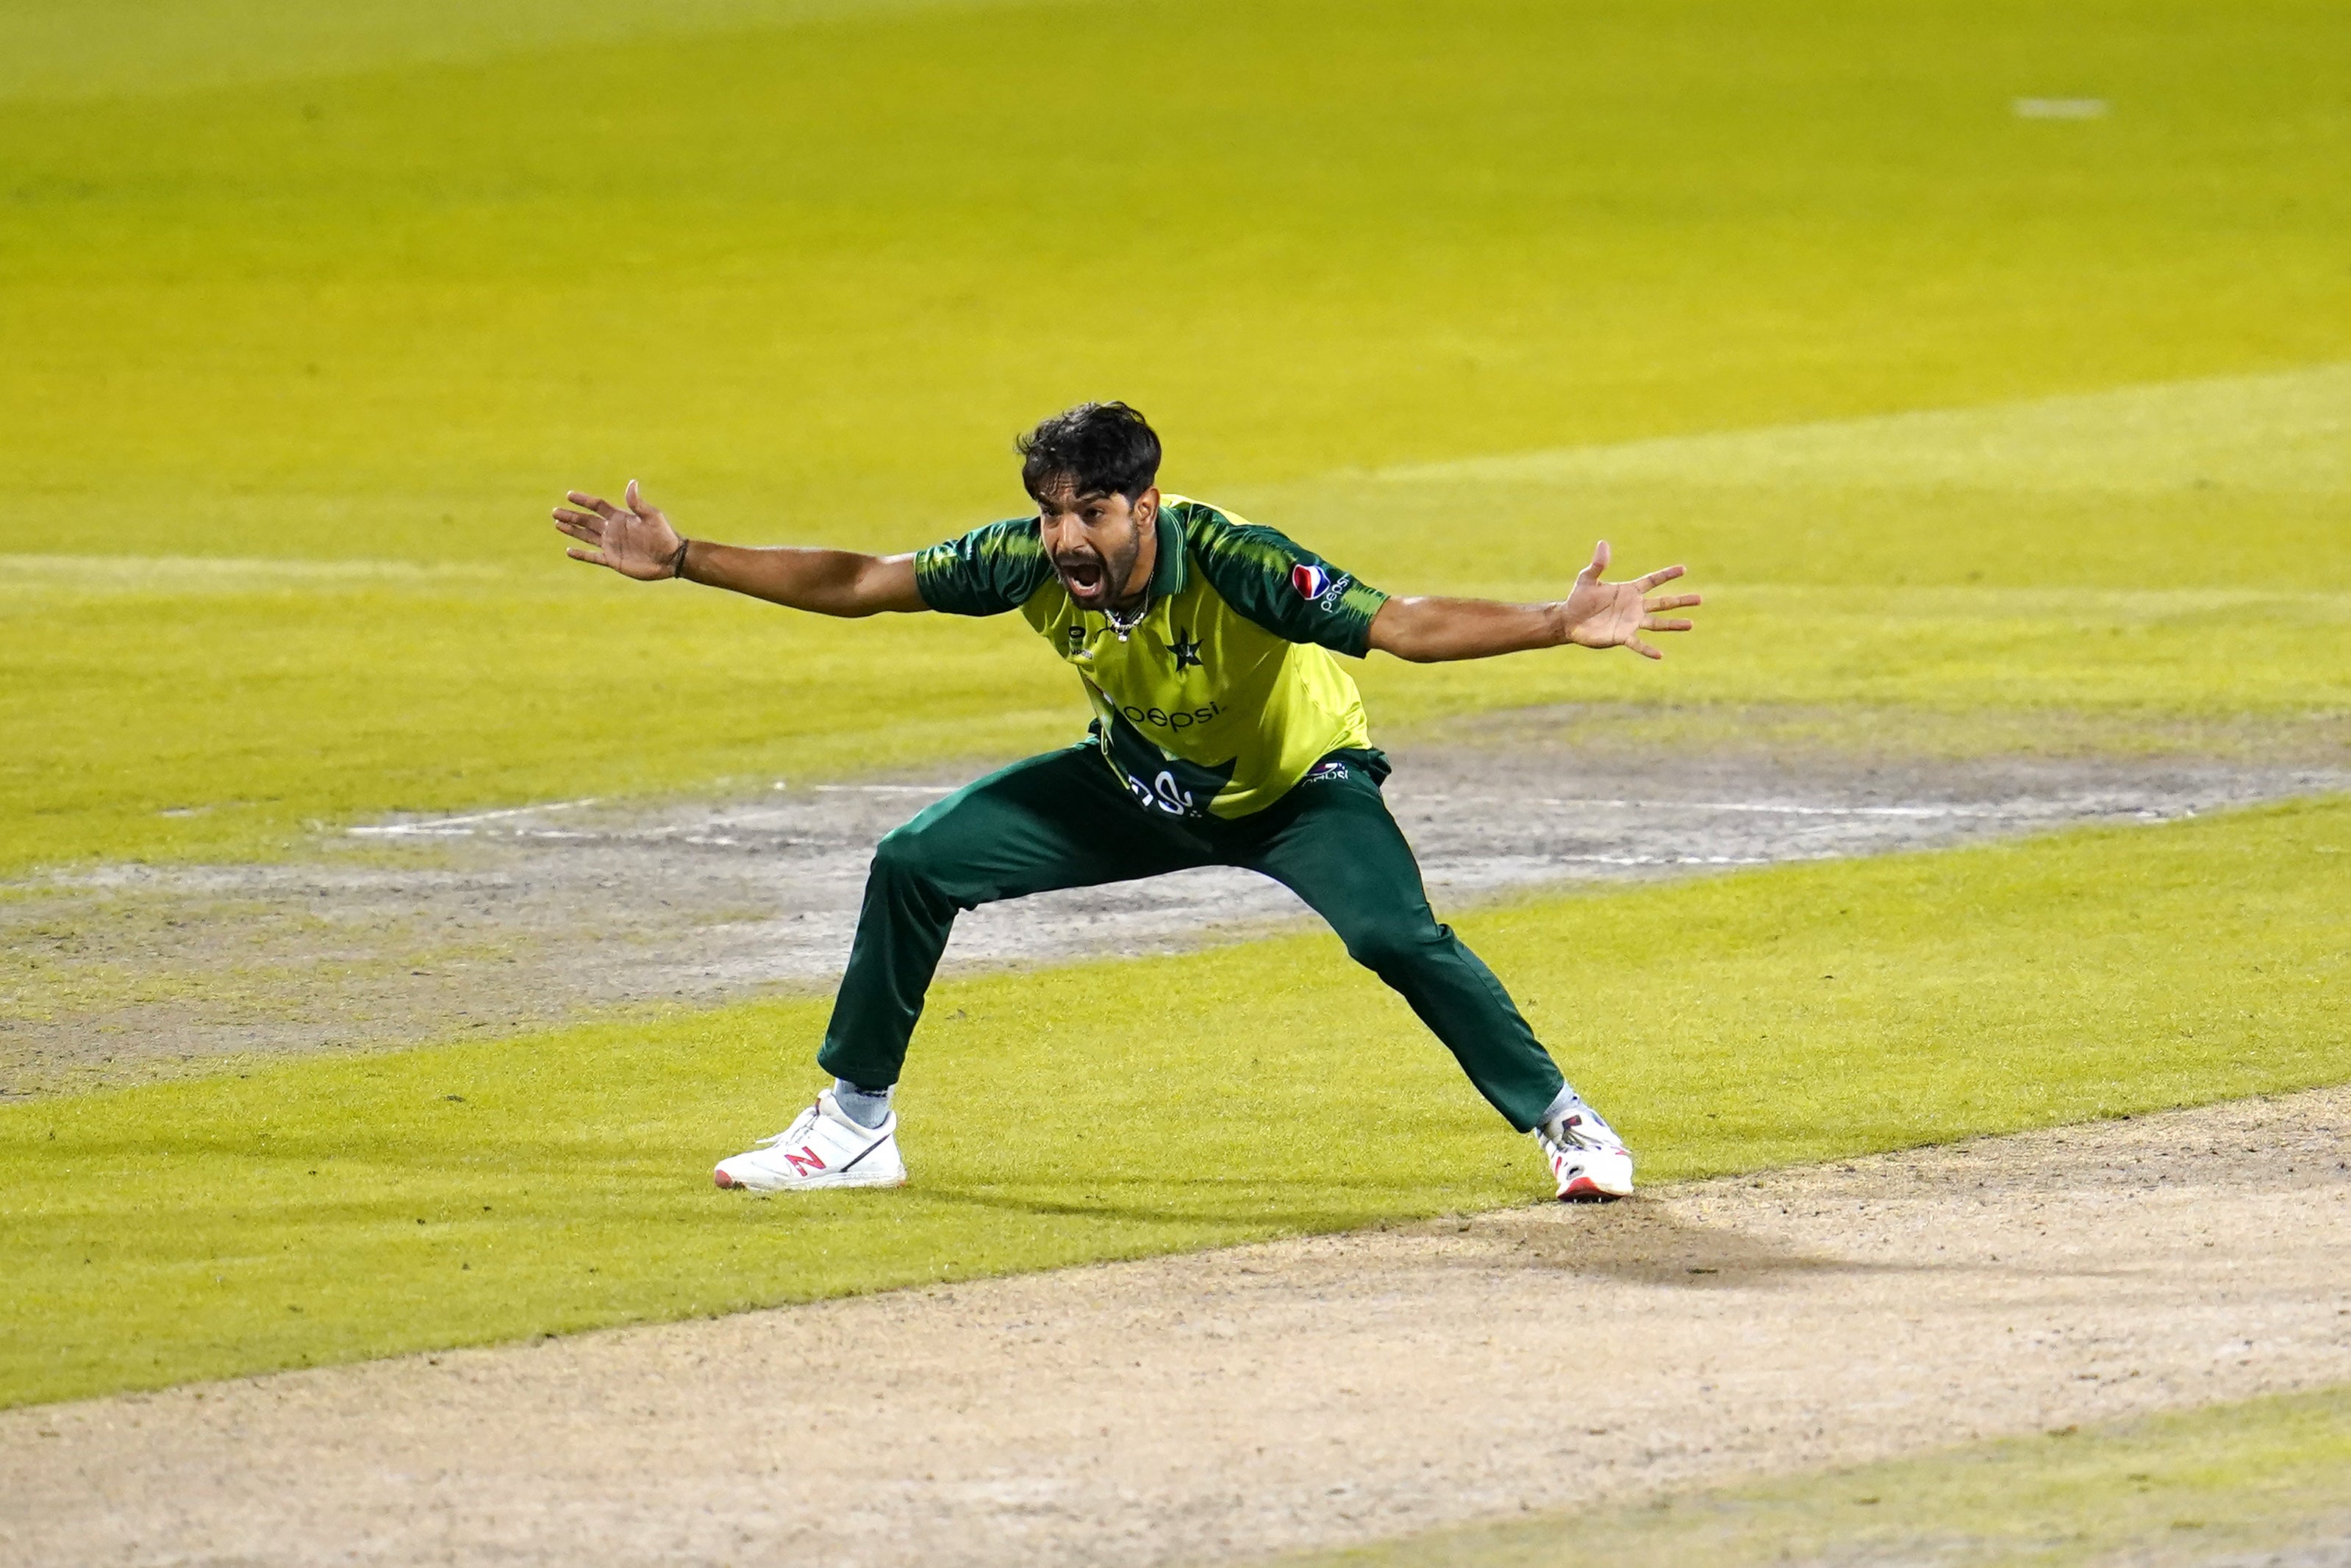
[1083, 577]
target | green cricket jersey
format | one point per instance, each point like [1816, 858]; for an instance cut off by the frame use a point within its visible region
[1226, 693]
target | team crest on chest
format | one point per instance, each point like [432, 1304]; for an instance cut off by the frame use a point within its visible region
[1187, 650]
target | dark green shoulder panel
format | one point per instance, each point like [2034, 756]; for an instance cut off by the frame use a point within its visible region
[1280, 585]
[987, 572]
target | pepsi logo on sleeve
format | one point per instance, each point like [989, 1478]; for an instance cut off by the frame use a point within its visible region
[1319, 587]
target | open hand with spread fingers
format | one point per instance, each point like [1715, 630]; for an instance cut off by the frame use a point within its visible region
[634, 538]
[1614, 614]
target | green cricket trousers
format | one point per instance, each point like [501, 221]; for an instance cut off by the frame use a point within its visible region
[1064, 820]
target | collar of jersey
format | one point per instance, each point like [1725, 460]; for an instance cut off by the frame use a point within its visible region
[1171, 570]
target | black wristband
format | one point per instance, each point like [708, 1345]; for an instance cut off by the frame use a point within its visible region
[677, 561]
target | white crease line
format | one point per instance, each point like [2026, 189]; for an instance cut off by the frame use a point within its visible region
[2022, 808]
[1780, 810]
[444, 824]
[411, 831]
[887, 789]
[1681, 860]
[638, 836]
[456, 827]
[1771, 809]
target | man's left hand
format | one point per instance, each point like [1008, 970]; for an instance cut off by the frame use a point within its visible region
[1614, 614]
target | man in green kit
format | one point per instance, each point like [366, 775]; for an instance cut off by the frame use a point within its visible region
[1225, 733]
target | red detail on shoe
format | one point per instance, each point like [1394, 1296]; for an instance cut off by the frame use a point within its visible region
[722, 1178]
[1584, 1189]
[804, 1162]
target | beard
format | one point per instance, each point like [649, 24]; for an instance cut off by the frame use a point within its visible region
[1094, 581]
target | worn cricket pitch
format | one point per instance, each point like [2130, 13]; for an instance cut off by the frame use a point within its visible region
[506, 920]
[1293, 1395]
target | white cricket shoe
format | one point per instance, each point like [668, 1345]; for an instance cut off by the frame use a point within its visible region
[821, 1148]
[1588, 1160]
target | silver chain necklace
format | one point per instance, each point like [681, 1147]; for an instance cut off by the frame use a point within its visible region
[1126, 626]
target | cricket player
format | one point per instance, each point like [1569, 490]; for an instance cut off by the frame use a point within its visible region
[1225, 733]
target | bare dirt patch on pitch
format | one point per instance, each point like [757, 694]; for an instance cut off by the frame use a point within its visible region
[1296, 1394]
[439, 927]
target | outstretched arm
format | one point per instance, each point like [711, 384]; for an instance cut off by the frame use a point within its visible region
[636, 540]
[1594, 614]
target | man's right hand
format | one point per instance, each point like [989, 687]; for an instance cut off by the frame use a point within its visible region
[634, 539]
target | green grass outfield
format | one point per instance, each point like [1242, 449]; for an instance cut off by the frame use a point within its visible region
[2264, 1480]
[335, 1209]
[310, 312]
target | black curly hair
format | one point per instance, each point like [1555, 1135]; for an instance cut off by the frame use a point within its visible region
[1104, 448]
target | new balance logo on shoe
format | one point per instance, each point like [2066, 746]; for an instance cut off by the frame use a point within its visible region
[821, 1148]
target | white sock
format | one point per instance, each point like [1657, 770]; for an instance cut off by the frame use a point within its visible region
[869, 1108]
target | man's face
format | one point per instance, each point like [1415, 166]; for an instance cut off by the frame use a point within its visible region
[1096, 541]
